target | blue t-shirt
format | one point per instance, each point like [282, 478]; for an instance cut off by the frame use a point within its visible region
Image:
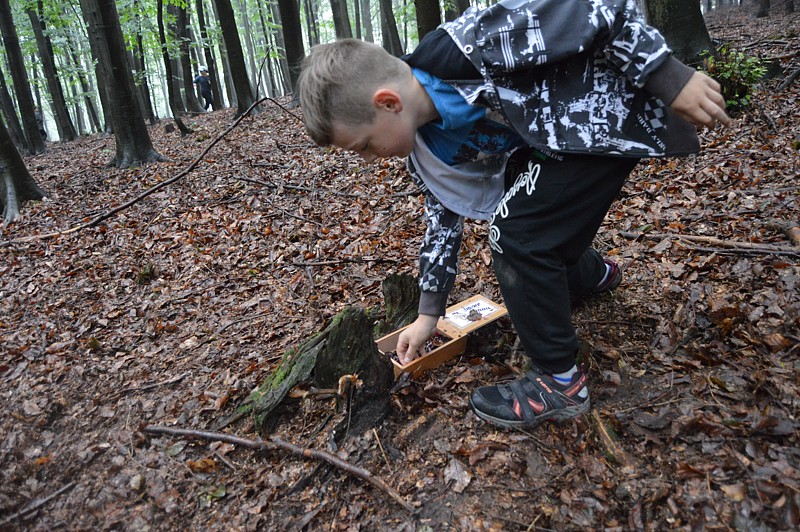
[464, 132]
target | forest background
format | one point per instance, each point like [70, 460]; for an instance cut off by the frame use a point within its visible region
[179, 254]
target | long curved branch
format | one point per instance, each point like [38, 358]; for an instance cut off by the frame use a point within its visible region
[108, 214]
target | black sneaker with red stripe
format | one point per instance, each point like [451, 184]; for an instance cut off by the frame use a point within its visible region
[531, 400]
[612, 280]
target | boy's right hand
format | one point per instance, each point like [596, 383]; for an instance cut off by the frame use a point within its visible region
[700, 102]
[411, 341]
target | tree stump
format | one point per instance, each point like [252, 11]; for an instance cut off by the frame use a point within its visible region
[401, 297]
[345, 347]
[295, 367]
[351, 350]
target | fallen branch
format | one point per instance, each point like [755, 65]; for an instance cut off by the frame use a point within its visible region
[278, 443]
[614, 451]
[298, 188]
[144, 388]
[789, 80]
[790, 229]
[108, 214]
[334, 262]
[38, 503]
[725, 245]
[762, 191]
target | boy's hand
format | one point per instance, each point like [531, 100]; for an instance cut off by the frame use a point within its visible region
[700, 102]
[412, 339]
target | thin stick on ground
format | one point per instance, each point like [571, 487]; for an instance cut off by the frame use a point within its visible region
[277, 443]
[38, 503]
[727, 245]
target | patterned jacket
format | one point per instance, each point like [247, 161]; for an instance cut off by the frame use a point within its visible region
[576, 76]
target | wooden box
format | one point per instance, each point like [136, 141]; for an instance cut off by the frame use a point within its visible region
[458, 321]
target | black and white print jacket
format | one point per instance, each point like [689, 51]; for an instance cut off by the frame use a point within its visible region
[574, 76]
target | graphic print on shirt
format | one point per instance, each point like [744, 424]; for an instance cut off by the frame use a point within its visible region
[569, 77]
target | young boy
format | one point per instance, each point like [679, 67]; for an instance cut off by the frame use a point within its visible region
[530, 113]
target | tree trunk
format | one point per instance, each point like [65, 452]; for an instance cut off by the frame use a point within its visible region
[249, 48]
[682, 24]
[66, 130]
[391, 39]
[762, 8]
[312, 28]
[16, 184]
[186, 65]
[211, 64]
[171, 95]
[175, 78]
[16, 65]
[429, 16]
[272, 86]
[87, 90]
[292, 37]
[7, 106]
[80, 122]
[130, 132]
[341, 20]
[366, 19]
[230, 34]
[453, 10]
[142, 84]
[226, 64]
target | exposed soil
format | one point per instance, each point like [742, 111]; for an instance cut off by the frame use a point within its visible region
[172, 311]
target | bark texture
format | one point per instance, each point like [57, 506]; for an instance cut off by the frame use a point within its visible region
[130, 132]
[16, 184]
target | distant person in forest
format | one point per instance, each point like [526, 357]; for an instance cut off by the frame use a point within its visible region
[37, 113]
[530, 114]
[204, 84]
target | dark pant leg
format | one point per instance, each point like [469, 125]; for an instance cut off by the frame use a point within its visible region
[540, 237]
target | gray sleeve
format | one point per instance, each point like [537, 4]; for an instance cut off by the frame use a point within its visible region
[668, 80]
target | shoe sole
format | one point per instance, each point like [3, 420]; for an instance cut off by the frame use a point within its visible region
[556, 416]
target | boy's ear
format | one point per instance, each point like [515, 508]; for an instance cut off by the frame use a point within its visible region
[388, 100]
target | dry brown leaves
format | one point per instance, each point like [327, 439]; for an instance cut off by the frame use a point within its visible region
[172, 311]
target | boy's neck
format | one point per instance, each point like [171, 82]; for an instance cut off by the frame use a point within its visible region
[421, 103]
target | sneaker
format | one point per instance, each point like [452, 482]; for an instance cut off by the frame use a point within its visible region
[531, 400]
[612, 280]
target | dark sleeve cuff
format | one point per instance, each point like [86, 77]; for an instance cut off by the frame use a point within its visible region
[432, 303]
[669, 80]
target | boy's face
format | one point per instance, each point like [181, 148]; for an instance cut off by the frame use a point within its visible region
[389, 135]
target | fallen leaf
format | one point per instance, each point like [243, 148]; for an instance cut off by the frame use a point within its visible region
[456, 472]
[735, 492]
[206, 465]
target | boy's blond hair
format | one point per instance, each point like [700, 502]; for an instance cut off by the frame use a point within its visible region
[337, 83]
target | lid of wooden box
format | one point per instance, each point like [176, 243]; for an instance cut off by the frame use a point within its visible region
[473, 313]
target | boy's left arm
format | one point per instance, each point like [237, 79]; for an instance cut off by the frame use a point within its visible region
[693, 95]
[701, 103]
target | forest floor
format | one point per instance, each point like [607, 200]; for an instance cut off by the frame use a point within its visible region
[170, 313]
